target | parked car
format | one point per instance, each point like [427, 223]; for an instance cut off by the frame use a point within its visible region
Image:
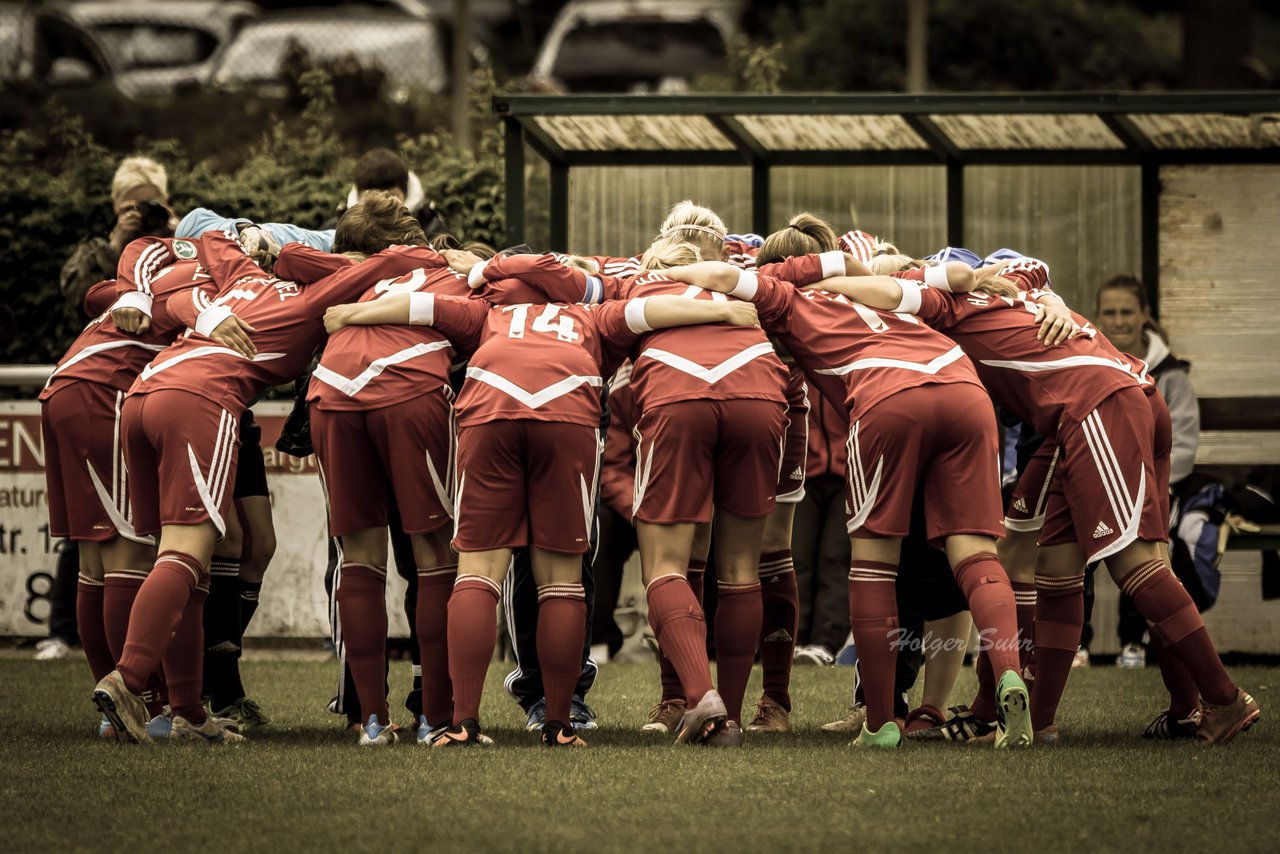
[165, 46]
[44, 46]
[634, 45]
[406, 48]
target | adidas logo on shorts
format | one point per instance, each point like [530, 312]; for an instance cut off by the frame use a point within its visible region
[798, 474]
[1020, 504]
[1103, 530]
[780, 636]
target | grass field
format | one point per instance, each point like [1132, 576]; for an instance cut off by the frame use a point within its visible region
[303, 785]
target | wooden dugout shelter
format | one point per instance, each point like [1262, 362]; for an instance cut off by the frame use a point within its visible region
[1208, 199]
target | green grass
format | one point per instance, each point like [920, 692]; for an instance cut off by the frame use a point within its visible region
[304, 785]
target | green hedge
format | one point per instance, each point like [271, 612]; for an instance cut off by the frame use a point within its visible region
[56, 191]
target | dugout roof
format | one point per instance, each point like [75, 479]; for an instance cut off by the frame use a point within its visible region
[951, 130]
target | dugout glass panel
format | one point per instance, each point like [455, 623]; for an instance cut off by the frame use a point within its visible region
[903, 204]
[1083, 221]
[616, 210]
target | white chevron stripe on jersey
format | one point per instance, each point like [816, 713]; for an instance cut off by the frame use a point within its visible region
[351, 386]
[533, 400]
[713, 374]
[1068, 362]
[102, 348]
[931, 367]
[151, 370]
[146, 264]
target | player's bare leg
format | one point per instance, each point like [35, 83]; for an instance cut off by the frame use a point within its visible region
[1141, 571]
[437, 566]
[562, 627]
[678, 622]
[944, 659]
[779, 621]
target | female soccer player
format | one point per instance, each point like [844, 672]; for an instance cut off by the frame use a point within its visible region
[528, 445]
[1106, 496]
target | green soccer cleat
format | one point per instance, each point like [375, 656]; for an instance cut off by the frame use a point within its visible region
[1013, 712]
[244, 713]
[888, 736]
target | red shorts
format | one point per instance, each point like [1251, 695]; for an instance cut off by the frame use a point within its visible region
[84, 468]
[696, 453]
[1162, 451]
[795, 446]
[1026, 506]
[1105, 493]
[405, 450]
[526, 483]
[941, 438]
[181, 450]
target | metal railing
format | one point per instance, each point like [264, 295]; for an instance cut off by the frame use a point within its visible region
[24, 375]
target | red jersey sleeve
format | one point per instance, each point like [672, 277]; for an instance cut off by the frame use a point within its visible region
[914, 275]
[1031, 276]
[349, 283]
[100, 297]
[618, 468]
[226, 261]
[304, 264]
[937, 308]
[459, 319]
[773, 299]
[188, 303]
[621, 325]
[546, 273]
[806, 269]
[141, 260]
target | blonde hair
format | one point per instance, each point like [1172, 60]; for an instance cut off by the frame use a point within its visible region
[888, 264]
[999, 286]
[805, 234]
[670, 251]
[694, 224]
[135, 172]
[587, 265]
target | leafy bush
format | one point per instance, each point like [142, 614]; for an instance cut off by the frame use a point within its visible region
[57, 183]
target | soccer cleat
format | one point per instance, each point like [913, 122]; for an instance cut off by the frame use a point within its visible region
[665, 717]
[960, 726]
[1081, 658]
[374, 734]
[52, 649]
[426, 733]
[465, 734]
[212, 731]
[556, 734]
[1132, 657]
[1220, 724]
[161, 726]
[730, 736]
[537, 716]
[126, 711]
[582, 716]
[888, 736]
[703, 720]
[813, 654]
[1168, 728]
[851, 722]
[921, 720]
[770, 717]
[1013, 712]
[244, 714]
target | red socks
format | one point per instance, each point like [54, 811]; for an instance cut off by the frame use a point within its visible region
[157, 610]
[431, 622]
[1059, 618]
[362, 609]
[562, 628]
[677, 620]
[986, 587]
[1024, 599]
[738, 612]
[1173, 616]
[671, 688]
[119, 590]
[184, 658]
[473, 632]
[779, 624]
[873, 616]
[1184, 696]
[93, 631]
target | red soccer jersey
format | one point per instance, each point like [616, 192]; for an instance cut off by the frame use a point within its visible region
[534, 362]
[175, 293]
[854, 354]
[1036, 383]
[711, 362]
[618, 467]
[287, 319]
[369, 367]
[514, 279]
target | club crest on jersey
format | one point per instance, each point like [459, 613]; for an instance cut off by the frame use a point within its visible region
[184, 249]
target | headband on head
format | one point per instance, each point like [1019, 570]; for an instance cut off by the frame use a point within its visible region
[677, 228]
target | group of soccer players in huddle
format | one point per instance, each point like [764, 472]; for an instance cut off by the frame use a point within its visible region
[712, 364]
